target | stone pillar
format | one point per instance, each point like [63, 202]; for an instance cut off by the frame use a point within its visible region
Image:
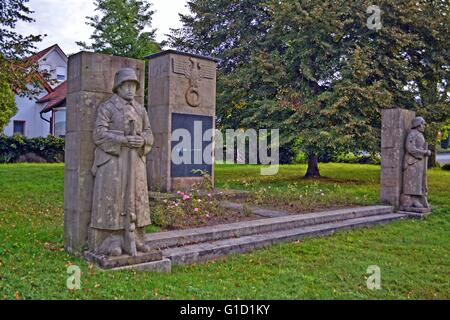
[395, 124]
[182, 95]
[90, 81]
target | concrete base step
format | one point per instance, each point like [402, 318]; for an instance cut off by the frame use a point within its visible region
[212, 250]
[241, 229]
[268, 213]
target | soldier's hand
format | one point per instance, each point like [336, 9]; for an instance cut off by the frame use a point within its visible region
[135, 141]
[429, 153]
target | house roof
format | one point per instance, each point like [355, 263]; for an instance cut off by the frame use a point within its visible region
[55, 98]
[44, 83]
[37, 76]
[41, 54]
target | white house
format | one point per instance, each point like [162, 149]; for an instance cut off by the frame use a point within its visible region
[43, 114]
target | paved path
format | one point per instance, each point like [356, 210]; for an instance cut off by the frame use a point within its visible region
[443, 158]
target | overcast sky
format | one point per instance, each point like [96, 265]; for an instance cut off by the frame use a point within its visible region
[64, 21]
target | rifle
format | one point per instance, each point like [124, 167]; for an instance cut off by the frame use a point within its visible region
[130, 203]
[425, 180]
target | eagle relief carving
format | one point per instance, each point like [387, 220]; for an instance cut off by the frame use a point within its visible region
[194, 71]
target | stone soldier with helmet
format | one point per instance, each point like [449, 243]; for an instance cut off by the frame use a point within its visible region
[123, 137]
[415, 167]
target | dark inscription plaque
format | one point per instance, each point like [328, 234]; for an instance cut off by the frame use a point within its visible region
[193, 124]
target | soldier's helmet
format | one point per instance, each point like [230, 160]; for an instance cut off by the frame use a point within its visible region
[125, 74]
[417, 122]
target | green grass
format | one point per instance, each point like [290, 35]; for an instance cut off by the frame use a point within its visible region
[413, 255]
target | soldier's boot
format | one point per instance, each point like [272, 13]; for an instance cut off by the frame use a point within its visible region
[425, 202]
[116, 251]
[416, 203]
[111, 246]
[142, 247]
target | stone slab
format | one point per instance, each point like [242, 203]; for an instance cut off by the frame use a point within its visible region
[416, 210]
[212, 250]
[415, 215]
[94, 72]
[246, 228]
[268, 213]
[182, 84]
[163, 266]
[83, 109]
[395, 124]
[107, 262]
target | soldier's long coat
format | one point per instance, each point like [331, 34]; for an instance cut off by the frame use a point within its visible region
[414, 164]
[111, 165]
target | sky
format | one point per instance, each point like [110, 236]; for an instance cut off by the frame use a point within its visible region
[64, 21]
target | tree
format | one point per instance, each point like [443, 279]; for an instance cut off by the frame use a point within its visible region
[431, 56]
[229, 30]
[318, 72]
[120, 30]
[7, 105]
[226, 29]
[340, 73]
[16, 72]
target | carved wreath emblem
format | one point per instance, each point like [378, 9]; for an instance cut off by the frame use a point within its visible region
[195, 71]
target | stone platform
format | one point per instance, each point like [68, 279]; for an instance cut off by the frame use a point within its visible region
[107, 262]
[416, 213]
[207, 243]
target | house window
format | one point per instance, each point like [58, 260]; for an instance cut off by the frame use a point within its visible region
[19, 127]
[45, 68]
[60, 73]
[60, 122]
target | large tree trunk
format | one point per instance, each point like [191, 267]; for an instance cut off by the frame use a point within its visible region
[432, 158]
[313, 167]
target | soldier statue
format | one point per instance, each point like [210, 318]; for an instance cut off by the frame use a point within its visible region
[123, 137]
[415, 191]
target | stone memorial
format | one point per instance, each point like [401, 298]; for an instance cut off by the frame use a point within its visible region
[415, 189]
[182, 94]
[116, 151]
[404, 161]
[123, 137]
[108, 138]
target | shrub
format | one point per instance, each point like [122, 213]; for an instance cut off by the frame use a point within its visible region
[20, 148]
[300, 157]
[7, 104]
[355, 158]
[446, 166]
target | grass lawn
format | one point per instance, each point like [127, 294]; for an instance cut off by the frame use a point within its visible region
[414, 256]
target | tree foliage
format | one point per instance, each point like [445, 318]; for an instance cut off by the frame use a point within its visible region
[7, 105]
[120, 29]
[315, 69]
[230, 30]
[16, 72]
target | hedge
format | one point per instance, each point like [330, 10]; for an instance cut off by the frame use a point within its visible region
[21, 149]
